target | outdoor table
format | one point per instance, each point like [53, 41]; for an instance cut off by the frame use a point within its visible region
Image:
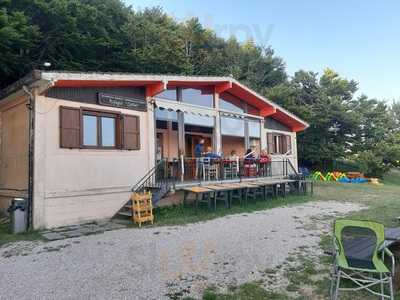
[246, 187]
[219, 189]
[198, 191]
[275, 182]
[232, 188]
[258, 185]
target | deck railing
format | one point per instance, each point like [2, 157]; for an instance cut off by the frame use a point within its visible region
[187, 169]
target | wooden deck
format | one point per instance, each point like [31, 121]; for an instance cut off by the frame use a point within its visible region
[261, 188]
[272, 180]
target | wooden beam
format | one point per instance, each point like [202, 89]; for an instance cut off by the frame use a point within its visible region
[154, 89]
[265, 112]
[220, 88]
[298, 128]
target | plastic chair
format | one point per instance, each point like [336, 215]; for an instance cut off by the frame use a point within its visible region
[210, 169]
[359, 257]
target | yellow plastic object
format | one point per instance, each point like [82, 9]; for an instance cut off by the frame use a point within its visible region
[330, 176]
[318, 176]
[142, 208]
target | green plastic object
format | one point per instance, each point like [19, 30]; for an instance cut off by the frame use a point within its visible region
[344, 257]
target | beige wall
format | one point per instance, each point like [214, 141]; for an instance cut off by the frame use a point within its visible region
[276, 157]
[78, 185]
[14, 128]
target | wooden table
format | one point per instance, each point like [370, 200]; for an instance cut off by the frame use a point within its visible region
[202, 194]
[219, 189]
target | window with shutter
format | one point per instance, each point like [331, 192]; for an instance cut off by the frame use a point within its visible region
[279, 143]
[131, 132]
[283, 144]
[289, 144]
[70, 127]
[270, 143]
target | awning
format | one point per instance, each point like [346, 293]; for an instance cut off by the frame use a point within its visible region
[185, 108]
[232, 115]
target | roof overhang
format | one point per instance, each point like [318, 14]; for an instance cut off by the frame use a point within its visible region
[154, 84]
[290, 120]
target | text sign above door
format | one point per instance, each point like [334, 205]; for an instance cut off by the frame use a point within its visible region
[122, 102]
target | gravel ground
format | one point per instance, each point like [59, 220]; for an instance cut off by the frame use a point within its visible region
[164, 262]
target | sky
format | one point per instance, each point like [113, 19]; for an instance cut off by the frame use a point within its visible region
[358, 39]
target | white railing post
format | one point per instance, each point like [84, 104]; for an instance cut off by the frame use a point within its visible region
[182, 168]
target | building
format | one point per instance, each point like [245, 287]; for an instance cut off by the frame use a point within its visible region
[74, 144]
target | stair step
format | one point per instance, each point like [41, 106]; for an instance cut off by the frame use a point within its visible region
[151, 188]
[125, 213]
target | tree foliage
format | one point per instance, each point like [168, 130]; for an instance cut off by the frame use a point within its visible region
[106, 35]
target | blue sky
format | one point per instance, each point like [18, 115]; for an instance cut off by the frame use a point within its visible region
[358, 39]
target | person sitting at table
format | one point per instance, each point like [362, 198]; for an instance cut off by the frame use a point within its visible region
[210, 154]
[265, 163]
[250, 167]
[264, 157]
[210, 167]
[233, 156]
[234, 163]
[250, 156]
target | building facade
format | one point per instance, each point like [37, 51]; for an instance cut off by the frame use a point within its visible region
[74, 144]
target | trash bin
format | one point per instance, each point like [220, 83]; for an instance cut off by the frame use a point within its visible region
[18, 216]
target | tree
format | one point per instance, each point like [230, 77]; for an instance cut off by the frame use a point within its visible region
[18, 39]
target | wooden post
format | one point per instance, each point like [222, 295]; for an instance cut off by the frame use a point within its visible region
[217, 126]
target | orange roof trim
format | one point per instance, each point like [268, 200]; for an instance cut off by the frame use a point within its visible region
[153, 87]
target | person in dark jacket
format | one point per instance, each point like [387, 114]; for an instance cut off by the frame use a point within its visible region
[198, 153]
[199, 149]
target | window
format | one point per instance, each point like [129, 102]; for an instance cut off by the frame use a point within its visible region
[279, 143]
[99, 129]
[231, 103]
[81, 128]
[165, 114]
[251, 110]
[108, 130]
[199, 96]
[232, 126]
[169, 94]
[90, 131]
[199, 120]
[254, 128]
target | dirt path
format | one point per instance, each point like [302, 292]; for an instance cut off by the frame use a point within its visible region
[159, 263]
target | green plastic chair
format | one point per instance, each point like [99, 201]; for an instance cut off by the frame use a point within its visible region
[359, 257]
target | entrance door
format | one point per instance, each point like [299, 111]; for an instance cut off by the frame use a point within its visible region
[191, 140]
[160, 146]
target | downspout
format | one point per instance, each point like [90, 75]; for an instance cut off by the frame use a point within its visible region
[31, 141]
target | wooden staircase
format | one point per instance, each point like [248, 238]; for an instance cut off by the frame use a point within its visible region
[155, 182]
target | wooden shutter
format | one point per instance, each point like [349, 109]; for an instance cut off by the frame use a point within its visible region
[282, 144]
[288, 143]
[70, 127]
[270, 143]
[131, 132]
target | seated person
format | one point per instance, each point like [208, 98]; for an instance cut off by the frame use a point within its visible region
[233, 156]
[264, 157]
[249, 157]
[210, 154]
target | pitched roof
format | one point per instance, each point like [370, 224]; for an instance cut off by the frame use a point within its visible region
[155, 83]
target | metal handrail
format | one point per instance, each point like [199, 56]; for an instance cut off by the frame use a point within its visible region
[146, 180]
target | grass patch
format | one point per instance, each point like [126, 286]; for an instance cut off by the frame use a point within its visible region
[178, 215]
[382, 205]
[7, 237]
[247, 291]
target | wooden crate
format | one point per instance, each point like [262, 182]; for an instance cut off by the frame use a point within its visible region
[142, 208]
